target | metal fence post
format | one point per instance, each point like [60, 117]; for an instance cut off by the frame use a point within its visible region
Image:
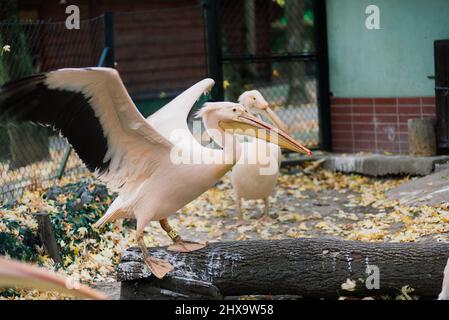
[109, 39]
[324, 112]
[63, 165]
[214, 47]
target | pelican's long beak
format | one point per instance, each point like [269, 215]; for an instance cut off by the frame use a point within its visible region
[270, 114]
[249, 125]
[16, 274]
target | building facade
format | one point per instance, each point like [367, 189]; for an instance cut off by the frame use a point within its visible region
[380, 78]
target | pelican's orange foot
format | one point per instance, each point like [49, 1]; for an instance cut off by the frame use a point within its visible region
[186, 246]
[158, 267]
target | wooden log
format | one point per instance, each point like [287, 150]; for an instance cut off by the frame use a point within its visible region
[422, 138]
[310, 268]
[47, 236]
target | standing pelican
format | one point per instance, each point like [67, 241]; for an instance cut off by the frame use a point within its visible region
[444, 294]
[156, 169]
[16, 274]
[256, 173]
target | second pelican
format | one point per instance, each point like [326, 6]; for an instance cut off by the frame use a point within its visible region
[255, 174]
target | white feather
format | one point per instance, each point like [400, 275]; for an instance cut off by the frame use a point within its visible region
[134, 147]
[444, 295]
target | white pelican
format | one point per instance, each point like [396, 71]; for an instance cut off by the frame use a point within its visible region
[93, 110]
[444, 294]
[256, 173]
[20, 275]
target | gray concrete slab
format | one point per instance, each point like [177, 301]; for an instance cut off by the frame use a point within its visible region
[383, 165]
[430, 190]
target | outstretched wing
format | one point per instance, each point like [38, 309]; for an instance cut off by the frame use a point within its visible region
[173, 116]
[93, 110]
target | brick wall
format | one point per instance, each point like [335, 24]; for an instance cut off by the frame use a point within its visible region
[376, 124]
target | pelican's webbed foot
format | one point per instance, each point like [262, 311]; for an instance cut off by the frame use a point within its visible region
[159, 268]
[180, 245]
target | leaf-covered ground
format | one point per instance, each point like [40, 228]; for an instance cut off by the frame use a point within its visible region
[316, 204]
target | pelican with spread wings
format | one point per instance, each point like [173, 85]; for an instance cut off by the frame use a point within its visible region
[156, 164]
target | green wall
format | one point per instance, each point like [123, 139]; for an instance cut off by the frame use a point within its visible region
[148, 106]
[390, 62]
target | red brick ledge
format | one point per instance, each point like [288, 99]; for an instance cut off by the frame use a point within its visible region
[376, 124]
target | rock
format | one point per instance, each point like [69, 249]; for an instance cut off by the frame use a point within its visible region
[53, 193]
[430, 190]
[86, 198]
[82, 189]
[101, 192]
[383, 165]
[77, 205]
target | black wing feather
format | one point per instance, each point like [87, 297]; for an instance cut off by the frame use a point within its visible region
[29, 99]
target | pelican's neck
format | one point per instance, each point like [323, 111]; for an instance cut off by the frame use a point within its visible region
[229, 142]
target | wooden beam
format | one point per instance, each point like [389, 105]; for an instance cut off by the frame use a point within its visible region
[47, 236]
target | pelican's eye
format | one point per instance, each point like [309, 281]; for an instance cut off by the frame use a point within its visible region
[234, 109]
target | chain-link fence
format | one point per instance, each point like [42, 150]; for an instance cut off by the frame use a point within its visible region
[269, 45]
[31, 155]
[158, 53]
[266, 45]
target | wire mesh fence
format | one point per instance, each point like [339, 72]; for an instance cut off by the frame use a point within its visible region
[270, 46]
[266, 45]
[158, 53]
[31, 155]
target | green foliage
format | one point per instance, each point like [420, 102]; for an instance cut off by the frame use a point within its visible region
[18, 247]
[81, 207]
[78, 205]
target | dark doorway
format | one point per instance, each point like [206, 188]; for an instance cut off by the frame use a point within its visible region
[441, 48]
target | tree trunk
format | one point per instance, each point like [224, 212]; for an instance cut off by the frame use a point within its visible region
[422, 138]
[310, 268]
[28, 143]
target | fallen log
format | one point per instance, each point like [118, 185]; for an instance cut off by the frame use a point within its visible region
[309, 268]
